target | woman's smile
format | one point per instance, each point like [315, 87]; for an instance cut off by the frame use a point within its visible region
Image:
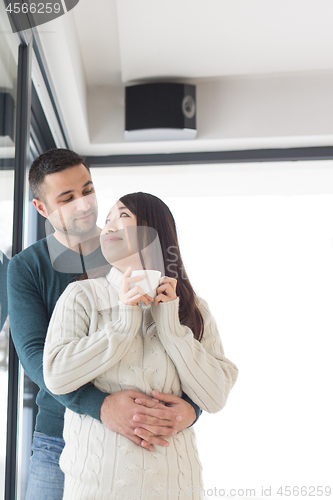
[112, 238]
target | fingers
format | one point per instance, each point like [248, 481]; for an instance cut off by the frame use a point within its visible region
[135, 438]
[172, 281]
[128, 272]
[127, 280]
[166, 398]
[165, 293]
[127, 276]
[146, 401]
[164, 288]
[149, 431]
[185, 411]
[133, 394]
[134, 279]
[132, 296]
[153, 421]
[161, 298]
[147, 445]
[150, 438]
[164, 416]
[117, 413]
[148, 442]
[141, 418]
[167, 430]
[135, 295]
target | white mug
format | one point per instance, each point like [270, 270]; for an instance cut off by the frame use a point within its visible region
[150, 283]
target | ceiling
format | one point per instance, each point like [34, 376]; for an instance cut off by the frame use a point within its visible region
[131, 40]
[263, 69]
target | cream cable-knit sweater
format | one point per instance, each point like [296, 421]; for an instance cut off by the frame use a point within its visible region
[94, 337]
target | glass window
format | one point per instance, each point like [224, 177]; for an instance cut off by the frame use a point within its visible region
[257, 242]
[6, 218]
[8, 80]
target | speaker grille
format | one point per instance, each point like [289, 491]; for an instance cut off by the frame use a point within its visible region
[161, 106]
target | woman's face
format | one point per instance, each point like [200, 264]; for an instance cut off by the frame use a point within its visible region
[119, 235]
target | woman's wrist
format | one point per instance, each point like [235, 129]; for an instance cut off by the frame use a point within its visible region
[166, 315]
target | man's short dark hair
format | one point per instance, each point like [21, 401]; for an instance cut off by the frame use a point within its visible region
[54, 160]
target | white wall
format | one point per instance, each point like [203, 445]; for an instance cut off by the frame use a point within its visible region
[266, 106]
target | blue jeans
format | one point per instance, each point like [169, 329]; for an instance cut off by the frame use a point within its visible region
[46, 480]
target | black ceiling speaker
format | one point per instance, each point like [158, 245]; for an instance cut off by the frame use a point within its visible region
[160, 112]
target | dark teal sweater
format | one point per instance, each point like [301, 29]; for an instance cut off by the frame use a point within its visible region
[36, 278]
[34, 287]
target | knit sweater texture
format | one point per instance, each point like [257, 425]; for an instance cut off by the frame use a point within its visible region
[94, 337]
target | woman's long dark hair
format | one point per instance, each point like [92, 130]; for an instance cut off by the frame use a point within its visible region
[152, 212]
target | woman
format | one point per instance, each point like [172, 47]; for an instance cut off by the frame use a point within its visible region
[119, 338]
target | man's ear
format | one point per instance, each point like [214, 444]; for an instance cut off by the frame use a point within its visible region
[40, 207]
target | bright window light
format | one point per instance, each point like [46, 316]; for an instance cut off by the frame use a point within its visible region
[257, 242]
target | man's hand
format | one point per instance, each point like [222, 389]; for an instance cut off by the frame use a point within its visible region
[121, 414]
[185, 416]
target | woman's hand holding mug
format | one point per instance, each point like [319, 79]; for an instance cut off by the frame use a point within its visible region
[134, 295]
[166, 292]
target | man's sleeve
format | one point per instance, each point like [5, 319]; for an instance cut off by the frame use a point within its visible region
[28, 325]
[197, 410]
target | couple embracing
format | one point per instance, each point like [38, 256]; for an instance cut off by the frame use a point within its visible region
[123, 369]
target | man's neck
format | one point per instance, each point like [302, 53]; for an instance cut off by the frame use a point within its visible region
[83, 244]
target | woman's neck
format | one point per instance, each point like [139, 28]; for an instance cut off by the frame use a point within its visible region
[132, 261]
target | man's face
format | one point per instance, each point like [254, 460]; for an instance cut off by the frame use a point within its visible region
[69, 201]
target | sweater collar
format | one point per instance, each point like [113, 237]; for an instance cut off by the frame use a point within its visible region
[115, 276]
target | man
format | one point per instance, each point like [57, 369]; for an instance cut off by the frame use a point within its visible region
[64, 194]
